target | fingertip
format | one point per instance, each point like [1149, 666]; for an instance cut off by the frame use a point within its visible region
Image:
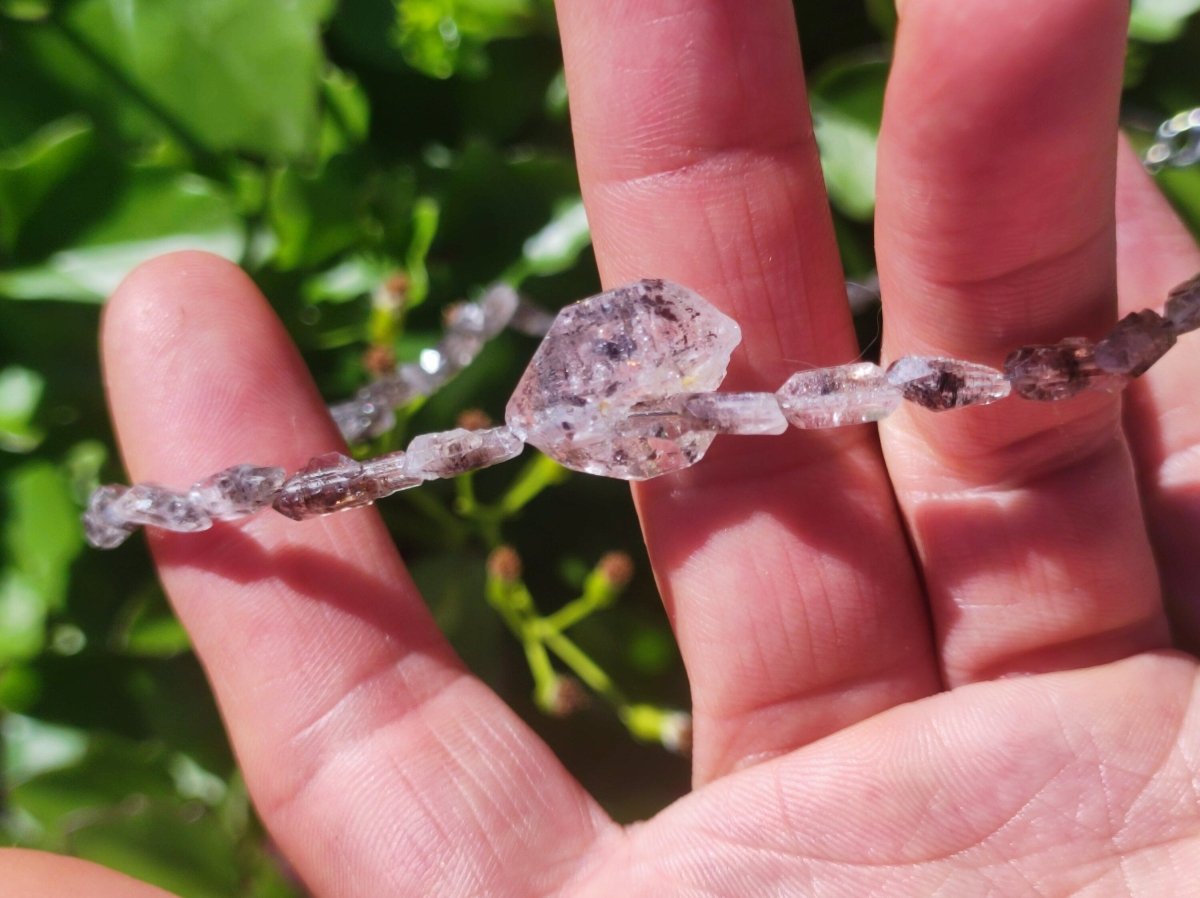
[36, 874]
[201, 373]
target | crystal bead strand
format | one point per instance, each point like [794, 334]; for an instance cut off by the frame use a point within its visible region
[623, 385]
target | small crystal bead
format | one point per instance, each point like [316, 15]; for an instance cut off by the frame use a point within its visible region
[237, 491]
[740, 413]
[834, 397]
[1183, 306]
[390, 474]
[457, 451]
[103, 524]
[940, 384]
[157, 506]
[730, 413]
[1138, 341]
[328, 483]
[1050, 372]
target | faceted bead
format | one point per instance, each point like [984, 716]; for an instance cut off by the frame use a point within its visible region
[743, 413]
[400, 386]
[457, 451]
[940, 384]
[736, 413]
[606, 354]
[104, 525]
[1183, 307]
[238, 491]
[531, 320]
[156, 506]
[834, 397]
[485, 317]
[1138, 341]
[328, 483]
[1050, 372]
[390, 474]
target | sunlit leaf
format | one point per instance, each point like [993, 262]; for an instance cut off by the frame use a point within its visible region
[20, 392]
[30, 171]
[34, 747]
[1157, 21]
[158, 211]
[22, 618]
[350, 279]
[346, 113]
[847, 105]
[557, 246]
[426, 215]
[202, 66]
[25, 10]
[42, 533]
[439, 36]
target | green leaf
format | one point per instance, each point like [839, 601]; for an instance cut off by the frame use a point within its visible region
[882, 14]
[847, 105]
[34, 747]
[20, 393]
[346, 114]
[224, 74]
[426, 215]
[318, 215]
[42, 535]
[556, 247]
[25, 10]
[22, 618]
[29, 172]
[438, 37]
[157, 211]
[156, 634]
[348, 280]
[20, 687]
[1160, 21]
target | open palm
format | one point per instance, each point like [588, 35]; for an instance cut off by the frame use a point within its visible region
[934, 661]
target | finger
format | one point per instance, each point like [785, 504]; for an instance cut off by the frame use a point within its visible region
[1155, 252]
[34, 874]
[378, 764]
[995, 229]
[780, 560]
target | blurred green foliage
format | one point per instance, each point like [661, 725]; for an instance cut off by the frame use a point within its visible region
[327, 146]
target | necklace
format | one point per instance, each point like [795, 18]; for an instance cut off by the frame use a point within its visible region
[624, 384]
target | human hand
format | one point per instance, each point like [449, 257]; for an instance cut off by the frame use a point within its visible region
[942, 667]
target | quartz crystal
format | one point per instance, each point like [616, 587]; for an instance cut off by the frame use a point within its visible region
[1056, 371]
[328, 483]
[735, 413]
[530, 319]
[237, 491]
[606, 354]
[742, 413]
[469, 325]
[149, 503]
[1138, 341]
[457, 451]
[103, 523]
[1183, 307]
[834, 397]
[940, 384]
[390, 474]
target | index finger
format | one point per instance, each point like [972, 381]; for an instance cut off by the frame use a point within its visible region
[378, 764]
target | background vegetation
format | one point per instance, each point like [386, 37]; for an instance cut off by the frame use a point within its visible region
[328, 146]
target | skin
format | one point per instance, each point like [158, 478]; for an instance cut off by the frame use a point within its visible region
[934, 661]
